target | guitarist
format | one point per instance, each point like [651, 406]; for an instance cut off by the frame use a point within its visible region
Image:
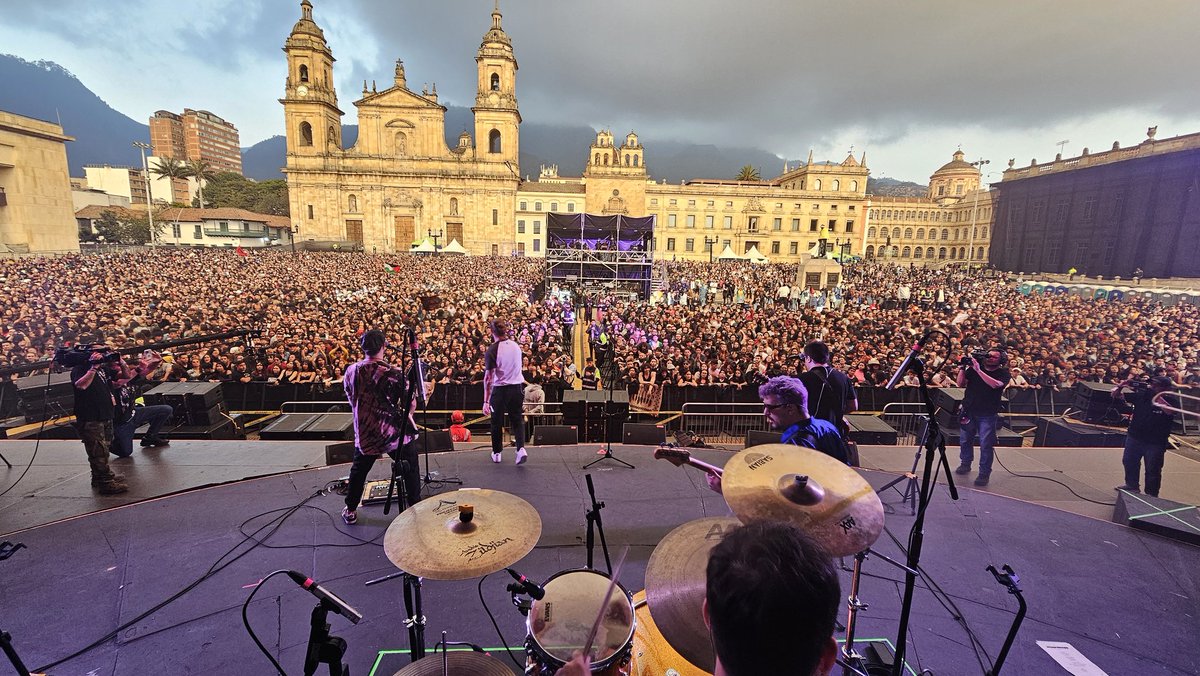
[373, 387]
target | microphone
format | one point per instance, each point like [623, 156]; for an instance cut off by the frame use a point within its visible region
[339, 606]
[415, 348]
[907, 363]
[528, 586]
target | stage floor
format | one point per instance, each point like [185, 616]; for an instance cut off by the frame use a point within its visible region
[1126, 599]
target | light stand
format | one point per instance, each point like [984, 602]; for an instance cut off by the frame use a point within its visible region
[324, 648]
[934, 441]
[611, 364]
[595, 524]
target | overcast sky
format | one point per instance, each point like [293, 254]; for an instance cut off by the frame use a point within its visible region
[908, 82]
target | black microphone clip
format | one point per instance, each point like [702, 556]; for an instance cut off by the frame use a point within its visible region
[533, 589]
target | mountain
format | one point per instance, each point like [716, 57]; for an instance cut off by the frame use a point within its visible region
[47, 91]
[892, 187]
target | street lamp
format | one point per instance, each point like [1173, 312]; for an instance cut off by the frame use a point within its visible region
[843, 248]
[435, 236]
[709, 242]
[143, 146]
[978, 164]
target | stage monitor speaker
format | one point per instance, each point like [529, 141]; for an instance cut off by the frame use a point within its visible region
[210, 416]
[1004, 437]
[339, 453]
[289, 426]
[224, 429]
[1095, 401]
[948, 398]
[1067, 433]
[648, 435]
[555, 435]
[871, 430]
[757, 437]
[54, 385]
[1169, 519]
[438, 440]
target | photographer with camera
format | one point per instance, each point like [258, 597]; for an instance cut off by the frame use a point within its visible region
[95, 407]
[980, 414]
[129, 414]
[1149, 430]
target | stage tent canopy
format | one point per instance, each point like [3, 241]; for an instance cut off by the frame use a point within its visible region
[728, 255]
[424, 246]
[754, 256]
[455, 248]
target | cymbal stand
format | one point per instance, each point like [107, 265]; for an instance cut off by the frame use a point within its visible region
[909, 494]
[415, 618]
[595, 523]
[853, 661]
[324, 648]
[11, 653]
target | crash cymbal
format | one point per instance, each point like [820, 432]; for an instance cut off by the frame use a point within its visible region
[834, 504]
[462, 534]
[675, 584]
[457, 664]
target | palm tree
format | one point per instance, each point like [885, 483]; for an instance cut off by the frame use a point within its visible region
[202, 171]
[171, 168]
[748, 173]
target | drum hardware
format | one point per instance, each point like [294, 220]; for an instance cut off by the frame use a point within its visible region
[414, 620]
[323, 647]
[595, 524]
[1010, 580]
[11, 652]
[850, 659]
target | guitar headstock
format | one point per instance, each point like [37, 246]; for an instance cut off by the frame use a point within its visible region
[675, 456]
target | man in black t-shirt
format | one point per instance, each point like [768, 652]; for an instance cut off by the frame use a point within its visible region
[981, 411]
[830, 394]
[1147, 436]
[94, 409]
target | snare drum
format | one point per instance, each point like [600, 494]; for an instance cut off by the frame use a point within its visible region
[559, 624]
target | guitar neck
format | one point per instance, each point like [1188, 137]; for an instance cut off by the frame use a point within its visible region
[700, 464]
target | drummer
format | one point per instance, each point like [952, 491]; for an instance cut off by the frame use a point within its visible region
[785, 406]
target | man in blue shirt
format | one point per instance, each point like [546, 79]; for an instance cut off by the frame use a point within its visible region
[785, 405]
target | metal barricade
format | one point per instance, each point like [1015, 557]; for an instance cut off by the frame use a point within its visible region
[720, 423]
[908, 419]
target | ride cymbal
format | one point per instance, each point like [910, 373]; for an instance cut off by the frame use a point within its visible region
[462, 534]
[675, 586]
[826, 498]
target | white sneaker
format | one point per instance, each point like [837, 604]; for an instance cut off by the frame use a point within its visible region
[495, 457]
[522, 456]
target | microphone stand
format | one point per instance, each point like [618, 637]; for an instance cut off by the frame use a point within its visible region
[324, 648]
[11, 653]
[1010, 580]
[934, 441]
[595, 523]
[608, 454]
[419, 376]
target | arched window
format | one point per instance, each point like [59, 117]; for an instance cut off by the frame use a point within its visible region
[401, 144]
[871, 232]
[453, 206]
[920, 233]
[817, 184]
[854, 186]
[331, 136]
[305, 134]
[627, 159]
[606, 159]
[945, 234]
[908, 233]
[929, 252]
[495, 82]
[303, 73]
[895, 233]
[979, 253]
[942, 253]
[870, 251]
[352, 204]
[962, 252]
[636, 160]
[837, 185]
[917, 252]
[906, 252]
[953, 253]
[984, 232]
[596, 160]
[494, 141]
[537, 206]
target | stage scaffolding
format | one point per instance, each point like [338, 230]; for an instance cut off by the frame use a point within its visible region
[610, 253]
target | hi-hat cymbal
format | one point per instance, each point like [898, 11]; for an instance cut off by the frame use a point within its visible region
[826, 498]
[458, 664]
[675, 586]
[462, 534]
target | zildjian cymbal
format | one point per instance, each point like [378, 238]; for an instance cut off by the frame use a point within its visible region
[675, 586]
[467, 663]
[824, 497]
[462, 534]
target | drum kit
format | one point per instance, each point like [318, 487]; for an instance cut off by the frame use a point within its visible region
[473, 532]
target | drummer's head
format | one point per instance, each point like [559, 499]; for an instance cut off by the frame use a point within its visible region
[772, 595]
[785, 401]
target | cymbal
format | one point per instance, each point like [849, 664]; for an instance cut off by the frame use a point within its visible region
[462, 534]
[675, 586]
[834, 505]
[465, 663]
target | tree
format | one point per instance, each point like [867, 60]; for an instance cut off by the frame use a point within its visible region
[748, 173]
[201, 171]
[108, 226]
[172, 169]
[228, 189]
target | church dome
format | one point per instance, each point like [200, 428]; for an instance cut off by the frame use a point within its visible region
[956, 166]
[306, 25]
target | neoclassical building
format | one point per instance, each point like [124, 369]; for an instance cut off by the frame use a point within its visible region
[401, 180]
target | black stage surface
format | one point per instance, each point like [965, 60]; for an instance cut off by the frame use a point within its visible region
[1126, 599]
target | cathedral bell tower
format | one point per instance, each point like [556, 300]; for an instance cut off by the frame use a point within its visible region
[497, 120]
[313, 120]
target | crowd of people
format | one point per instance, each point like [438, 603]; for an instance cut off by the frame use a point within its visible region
[725, 323]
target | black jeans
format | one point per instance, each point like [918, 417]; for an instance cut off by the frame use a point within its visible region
[409, 473]
[507, 400]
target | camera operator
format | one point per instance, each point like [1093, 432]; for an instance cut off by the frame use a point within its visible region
[1148, 432]
[980, 415]
[94, 410]
[129, 414]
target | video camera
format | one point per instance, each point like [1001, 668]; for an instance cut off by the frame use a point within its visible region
[81, 355]
[977, 355]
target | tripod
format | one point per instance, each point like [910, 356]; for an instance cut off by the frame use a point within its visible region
[909, 494]
[611, 377]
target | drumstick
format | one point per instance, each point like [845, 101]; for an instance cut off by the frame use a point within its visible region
[612, 583]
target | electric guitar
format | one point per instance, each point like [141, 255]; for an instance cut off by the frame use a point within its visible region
[680, 457]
